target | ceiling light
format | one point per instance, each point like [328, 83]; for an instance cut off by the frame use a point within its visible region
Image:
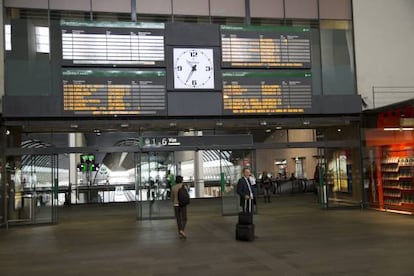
[306, 123]
[7, 132]
[268, 130]
[278, 127]
[124, 125]
[263, 123]
[398, 128]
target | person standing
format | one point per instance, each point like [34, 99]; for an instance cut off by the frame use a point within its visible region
[244, 188]
[180, 211]
[267, 186]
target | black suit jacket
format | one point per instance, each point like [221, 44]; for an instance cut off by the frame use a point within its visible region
[243, 189]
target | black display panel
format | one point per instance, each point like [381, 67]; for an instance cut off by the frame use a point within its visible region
[112, 43]
[151, 142]
[265, 47]
[114, 92]
[266, 92]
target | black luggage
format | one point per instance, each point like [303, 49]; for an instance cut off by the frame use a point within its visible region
[244, 232]
[246, 216]
[245, 226]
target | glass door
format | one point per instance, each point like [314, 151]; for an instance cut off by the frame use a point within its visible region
[154, 179]
[231, 165]
[32, 189]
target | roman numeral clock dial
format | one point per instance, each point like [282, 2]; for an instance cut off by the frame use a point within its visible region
[193, 68]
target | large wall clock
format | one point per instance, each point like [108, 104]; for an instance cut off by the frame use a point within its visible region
[193, 68]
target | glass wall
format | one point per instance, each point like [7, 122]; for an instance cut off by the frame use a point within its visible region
[32, 189]
[231, 171]
[337, 55]
[339, 167]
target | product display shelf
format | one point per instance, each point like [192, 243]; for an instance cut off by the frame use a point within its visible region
[397, 182]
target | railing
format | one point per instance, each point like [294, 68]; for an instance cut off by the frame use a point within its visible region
[386, 95]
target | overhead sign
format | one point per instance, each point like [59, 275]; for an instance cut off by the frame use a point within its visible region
[265, 47]
[194, 141]
[112, 43]
[266, 92]
[114, 92]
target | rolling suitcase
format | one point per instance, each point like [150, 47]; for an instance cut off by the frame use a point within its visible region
[245, 226]
[246, 216]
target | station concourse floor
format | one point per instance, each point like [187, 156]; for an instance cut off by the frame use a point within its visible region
[295, 237]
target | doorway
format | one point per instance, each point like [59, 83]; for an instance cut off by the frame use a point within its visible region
[31, 189]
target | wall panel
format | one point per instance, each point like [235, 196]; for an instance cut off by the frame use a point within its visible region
[266, 8]
[335, 9]
[118, 6]
[234, 8]
[193, 7]
[72, 5]
[153, 6]
[38, 4]
[304, 9]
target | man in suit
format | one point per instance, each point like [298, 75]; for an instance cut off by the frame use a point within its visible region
[244, 188]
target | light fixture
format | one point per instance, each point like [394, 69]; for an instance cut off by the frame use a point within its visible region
[279, 127]
[268, 130]
[74, 126]
[339, 130]
[172, 124]
[398, 128]
[124, 125]
[263, 123]
[7, 132]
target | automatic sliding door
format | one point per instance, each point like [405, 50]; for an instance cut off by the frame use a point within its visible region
[153, 187]
[32, 183]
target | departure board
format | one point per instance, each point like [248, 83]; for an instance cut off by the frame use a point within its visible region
[265, 47]
[114, 92]
[266, 92]
[112, 43]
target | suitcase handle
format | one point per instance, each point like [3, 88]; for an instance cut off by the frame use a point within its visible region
[245, 209]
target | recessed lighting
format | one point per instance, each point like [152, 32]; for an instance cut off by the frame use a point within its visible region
[7, 132]
[278, 127]
[339, 130]
[268, 130]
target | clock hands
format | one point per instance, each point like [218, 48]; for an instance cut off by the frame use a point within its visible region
[193, 69]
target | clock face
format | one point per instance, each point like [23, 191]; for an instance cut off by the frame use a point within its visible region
[193, 68]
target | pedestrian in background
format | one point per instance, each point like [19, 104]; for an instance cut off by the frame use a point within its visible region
[180, 210]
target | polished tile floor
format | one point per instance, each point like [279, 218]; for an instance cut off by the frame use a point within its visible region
[295, 237]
